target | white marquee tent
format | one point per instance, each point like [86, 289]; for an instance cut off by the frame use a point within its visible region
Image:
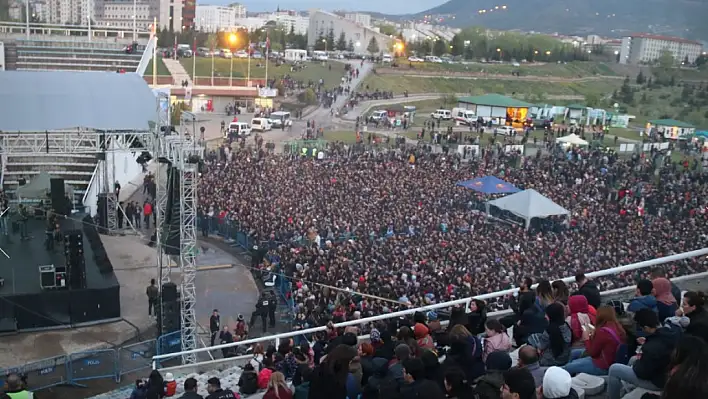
[528, 204]
[572, 139]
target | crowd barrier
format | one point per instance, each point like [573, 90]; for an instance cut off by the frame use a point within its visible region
[111, 364]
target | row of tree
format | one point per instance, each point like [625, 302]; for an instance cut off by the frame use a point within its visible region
[280, 39]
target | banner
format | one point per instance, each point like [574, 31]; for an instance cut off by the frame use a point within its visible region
[266, 92]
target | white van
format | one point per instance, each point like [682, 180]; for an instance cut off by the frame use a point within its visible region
[238, 129]
[387, 58]
[433, 59]
[506, 131]
[378, 116]
[260, 124]
[443, 114]
[280, 119]
[463, 116]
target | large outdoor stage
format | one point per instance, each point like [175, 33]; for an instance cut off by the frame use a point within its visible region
[25, 305]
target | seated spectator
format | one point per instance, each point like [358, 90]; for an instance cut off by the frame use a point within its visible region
[395, 366]
[560, 292]
[644, 297]
[532, 319]
[170, 385]
[140, 390]
[665, 301]
[416, 385]
[557, 384]
[377, 379]
[258, 355]
[492, 381]
[382, 343]
[528, 359]
[496, 339]
[465, 353]
[265, 373]
[544, 293]
[331, 378]
[277, 388]
[581, 318]
[190, 389]
[649, 370]
[303, 369]
[423, 338]
[433, 368]
[456, 386]
[553, 344]
[366, 359]
[518, 384]
[658, 272]
[216, 392]
[687, 362]
[433, 323]
[602, 344]
[693, 306]
[248, 381]
[588, 289]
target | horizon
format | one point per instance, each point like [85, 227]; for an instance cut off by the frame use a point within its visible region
[394, 8]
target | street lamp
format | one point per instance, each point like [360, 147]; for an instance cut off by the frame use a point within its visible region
[325, 44]
[500, 53]
[233, 39]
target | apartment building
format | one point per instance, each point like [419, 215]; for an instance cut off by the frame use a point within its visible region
[214, 18]
[291, 21]
[321, 22]
[119, 13]
[359, 18]
[642, 48]
[69, 12]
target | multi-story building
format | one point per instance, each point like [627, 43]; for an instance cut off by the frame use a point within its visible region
[70, 12]
[214, 18]
[642, 48]
[290, 21]
[170, 17]
[119, 13]
[359, 18]
[321, 22]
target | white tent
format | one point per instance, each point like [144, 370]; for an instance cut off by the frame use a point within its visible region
[572, 139]
[528, 204]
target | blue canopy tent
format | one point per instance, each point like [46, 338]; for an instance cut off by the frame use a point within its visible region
[489, 185]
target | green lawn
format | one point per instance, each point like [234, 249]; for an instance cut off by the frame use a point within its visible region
[399, 84]
[331, 73]
[161, 68]
[667, 102]
[570, 70]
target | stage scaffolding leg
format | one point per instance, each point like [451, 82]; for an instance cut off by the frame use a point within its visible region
[188, 254]
[112, 213]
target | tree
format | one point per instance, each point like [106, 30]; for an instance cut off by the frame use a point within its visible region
[640, 78]
[388, 30]
[439, 47]
[686, 61]
[342, 42]
[330, 39]
[320, 43]
[626, 94]
[592, 100]
[350, 46]
[373, 47]
[458, 45]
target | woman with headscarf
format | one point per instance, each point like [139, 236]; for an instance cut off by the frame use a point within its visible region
[665, 301]
[553, 344]
[581, 317]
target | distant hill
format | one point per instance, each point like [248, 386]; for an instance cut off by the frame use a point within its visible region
[685, 18]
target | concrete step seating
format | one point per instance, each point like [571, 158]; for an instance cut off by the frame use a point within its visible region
[36, 172]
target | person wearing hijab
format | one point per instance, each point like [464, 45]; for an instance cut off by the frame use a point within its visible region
[553, 344]
[665, 301]
[557, 384]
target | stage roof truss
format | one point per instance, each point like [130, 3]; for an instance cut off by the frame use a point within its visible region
[74, 142]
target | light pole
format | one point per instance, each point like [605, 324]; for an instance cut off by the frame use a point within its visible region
[27, 19]
[232, 42]
[135, 21]
[325, 44]
[500, 53]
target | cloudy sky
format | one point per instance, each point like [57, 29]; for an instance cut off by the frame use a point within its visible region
[389, 7]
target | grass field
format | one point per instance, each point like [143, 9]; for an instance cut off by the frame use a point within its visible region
[399, 84]
[161, 68]
[571, 69]
[663, 103]
[331, 73]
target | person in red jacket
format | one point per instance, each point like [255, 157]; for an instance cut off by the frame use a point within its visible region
[264, 375]
[601, 344]
[581, 315]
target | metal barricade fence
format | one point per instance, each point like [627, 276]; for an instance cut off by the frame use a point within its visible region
[91, 365]
[169, 343]
[43, 373]
[135, 357]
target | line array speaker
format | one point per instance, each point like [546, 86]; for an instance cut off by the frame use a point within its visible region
[99, 252]
[171, 221]
[75, 261]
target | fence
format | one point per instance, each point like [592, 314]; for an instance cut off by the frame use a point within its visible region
[110, 364]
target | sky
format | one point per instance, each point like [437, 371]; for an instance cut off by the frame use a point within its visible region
[387, 7]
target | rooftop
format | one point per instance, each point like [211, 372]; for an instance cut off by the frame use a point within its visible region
[495, 100]
[664, 38]
[671, 123]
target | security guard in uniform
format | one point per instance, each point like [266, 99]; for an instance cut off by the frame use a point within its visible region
[272, 306]
[261, 310]
[15, 388]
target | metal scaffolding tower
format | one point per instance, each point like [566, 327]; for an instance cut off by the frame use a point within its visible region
[183, 152]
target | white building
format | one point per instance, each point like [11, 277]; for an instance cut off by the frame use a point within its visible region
[361, 19]
[297, 23]
[321, 22]
[74, 12]
[646, 48]
[119, 13]
[216, 18]
[251, 23]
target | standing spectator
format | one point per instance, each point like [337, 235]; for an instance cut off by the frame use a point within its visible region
[518, 384]
[588, 289]
[330, 378]
[147, 212]
[416, 385]
[554, 342]
[15, 388]
[602, 344]
[560, 292]
[277, 388]
[457, 386]
[665, 301]
[155, 386]
[153, 294]
[649, 370]
[214, 325]
[693, 306]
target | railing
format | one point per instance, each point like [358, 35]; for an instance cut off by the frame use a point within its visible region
[147, 56]
[459, 302]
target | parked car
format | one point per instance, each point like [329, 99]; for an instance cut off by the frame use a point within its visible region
[443, 114]
[505, 130]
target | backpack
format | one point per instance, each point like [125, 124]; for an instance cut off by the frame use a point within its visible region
[622, 354]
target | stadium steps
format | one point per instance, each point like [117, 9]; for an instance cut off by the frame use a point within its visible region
[177, 71]
[74, 56]
[10, 56]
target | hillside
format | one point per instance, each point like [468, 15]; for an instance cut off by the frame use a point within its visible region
[607, 17]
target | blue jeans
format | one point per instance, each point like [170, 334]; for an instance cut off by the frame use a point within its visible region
[576, 353]
[583, 365]
[620, 372]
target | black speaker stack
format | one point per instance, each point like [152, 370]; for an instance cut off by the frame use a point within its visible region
[75, 262]
[99, 252]
[170, 319]
[102, 213]
[171, 221]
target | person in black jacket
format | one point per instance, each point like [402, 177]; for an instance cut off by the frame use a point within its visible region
[215, 391]
[650, 370]
[262, 311]
[225, 337]
[416, 385]
[588, 289]
[248, 382]
[693, 306]
[190, 389]
[214, 325]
